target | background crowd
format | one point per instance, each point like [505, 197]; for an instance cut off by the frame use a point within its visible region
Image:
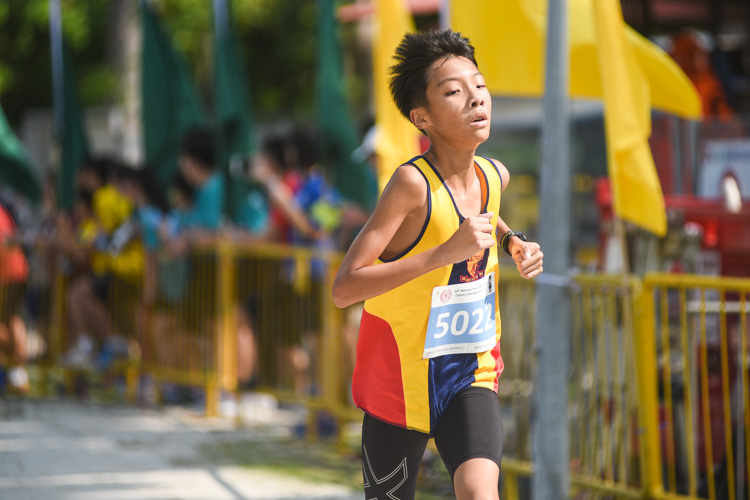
[125, 231]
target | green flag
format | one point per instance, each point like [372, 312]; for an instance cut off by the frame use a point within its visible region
[15, 168]
[169, 102]
[72, 136]
[232, 114]
[69, 128]
[353, 179]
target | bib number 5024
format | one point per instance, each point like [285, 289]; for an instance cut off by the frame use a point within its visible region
[457, 324]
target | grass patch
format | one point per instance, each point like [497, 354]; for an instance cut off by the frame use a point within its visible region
[320, 462]
[314, 462]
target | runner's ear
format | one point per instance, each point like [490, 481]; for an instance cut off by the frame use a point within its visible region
[418, 118]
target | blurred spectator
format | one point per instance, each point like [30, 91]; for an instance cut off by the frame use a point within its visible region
[75, 238]
[247, 321]
[197, 154]
[313, 211]
[117, 267]
[99, 176]
[693, 56]
[201, 224]
[320, 201]
[275, 168]
[39, 244]
[150, 205]
[172, 270]
[14, 272]
[75, 241]
[166, 337]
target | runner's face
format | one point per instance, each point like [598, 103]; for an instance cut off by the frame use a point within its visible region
[460, 108]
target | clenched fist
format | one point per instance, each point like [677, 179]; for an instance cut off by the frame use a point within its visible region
[474, 235]
[528, 257]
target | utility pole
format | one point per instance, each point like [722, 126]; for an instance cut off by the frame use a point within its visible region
[550, 447]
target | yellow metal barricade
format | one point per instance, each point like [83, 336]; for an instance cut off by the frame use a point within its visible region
[122, 355]
[603, 397]
[603, 391]
[697, 428]
[658, 397]
[302, 342]
[190, 335]
[515, 387]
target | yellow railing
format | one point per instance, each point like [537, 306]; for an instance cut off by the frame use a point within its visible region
[697, 430]
[658, 397]
[190, 326]
[603, 417]
[658, 381]
[604, 445]
[516, 384]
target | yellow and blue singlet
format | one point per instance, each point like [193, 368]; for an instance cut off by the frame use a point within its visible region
[392, 382]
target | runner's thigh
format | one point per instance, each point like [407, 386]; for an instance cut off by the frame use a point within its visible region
[391, 457]
[470, 428]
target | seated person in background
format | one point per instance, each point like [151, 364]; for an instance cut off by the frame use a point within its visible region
[196, 162]
[247, 351]
[295, 184]
[14, 271]
[148, 215]
[172, 271]
[149, 207]
[75, 238]
[171, 338]
[116, 255]
[99, 177]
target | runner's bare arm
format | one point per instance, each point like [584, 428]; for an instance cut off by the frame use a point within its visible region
[528, 256]
[359, 278]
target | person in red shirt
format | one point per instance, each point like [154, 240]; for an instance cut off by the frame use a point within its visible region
[14, 271]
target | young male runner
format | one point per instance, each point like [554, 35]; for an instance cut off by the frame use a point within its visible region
[426, 263]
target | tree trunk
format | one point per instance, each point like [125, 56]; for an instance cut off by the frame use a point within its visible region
[124, 51]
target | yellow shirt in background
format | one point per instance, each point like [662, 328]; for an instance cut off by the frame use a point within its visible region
[111, 208]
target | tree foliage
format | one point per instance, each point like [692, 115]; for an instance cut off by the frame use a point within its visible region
[278, 42]
[25, 65]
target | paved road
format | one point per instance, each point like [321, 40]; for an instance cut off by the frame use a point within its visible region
[67, 450]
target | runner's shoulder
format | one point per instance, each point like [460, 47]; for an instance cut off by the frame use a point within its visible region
[407, 187]
[503, 170]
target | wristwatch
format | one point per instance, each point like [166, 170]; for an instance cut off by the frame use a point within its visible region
[505, 240]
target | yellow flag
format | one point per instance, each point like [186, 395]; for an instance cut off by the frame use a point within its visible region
[397, 140]
[637, 194]
[608, 60]
[509, 37]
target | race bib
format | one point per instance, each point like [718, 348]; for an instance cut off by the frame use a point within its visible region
[462, 318]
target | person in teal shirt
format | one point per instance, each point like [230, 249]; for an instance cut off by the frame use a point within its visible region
[197, 153]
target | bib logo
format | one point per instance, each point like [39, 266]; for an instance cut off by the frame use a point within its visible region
[445, 296]
[471, 269]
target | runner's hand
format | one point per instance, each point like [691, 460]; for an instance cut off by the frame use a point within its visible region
[528, 257]
[474, 235]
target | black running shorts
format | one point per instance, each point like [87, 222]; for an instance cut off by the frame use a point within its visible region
[391, 455]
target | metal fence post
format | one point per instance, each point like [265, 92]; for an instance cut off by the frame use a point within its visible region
[331, 348]
[224, 374]
[647, 372]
